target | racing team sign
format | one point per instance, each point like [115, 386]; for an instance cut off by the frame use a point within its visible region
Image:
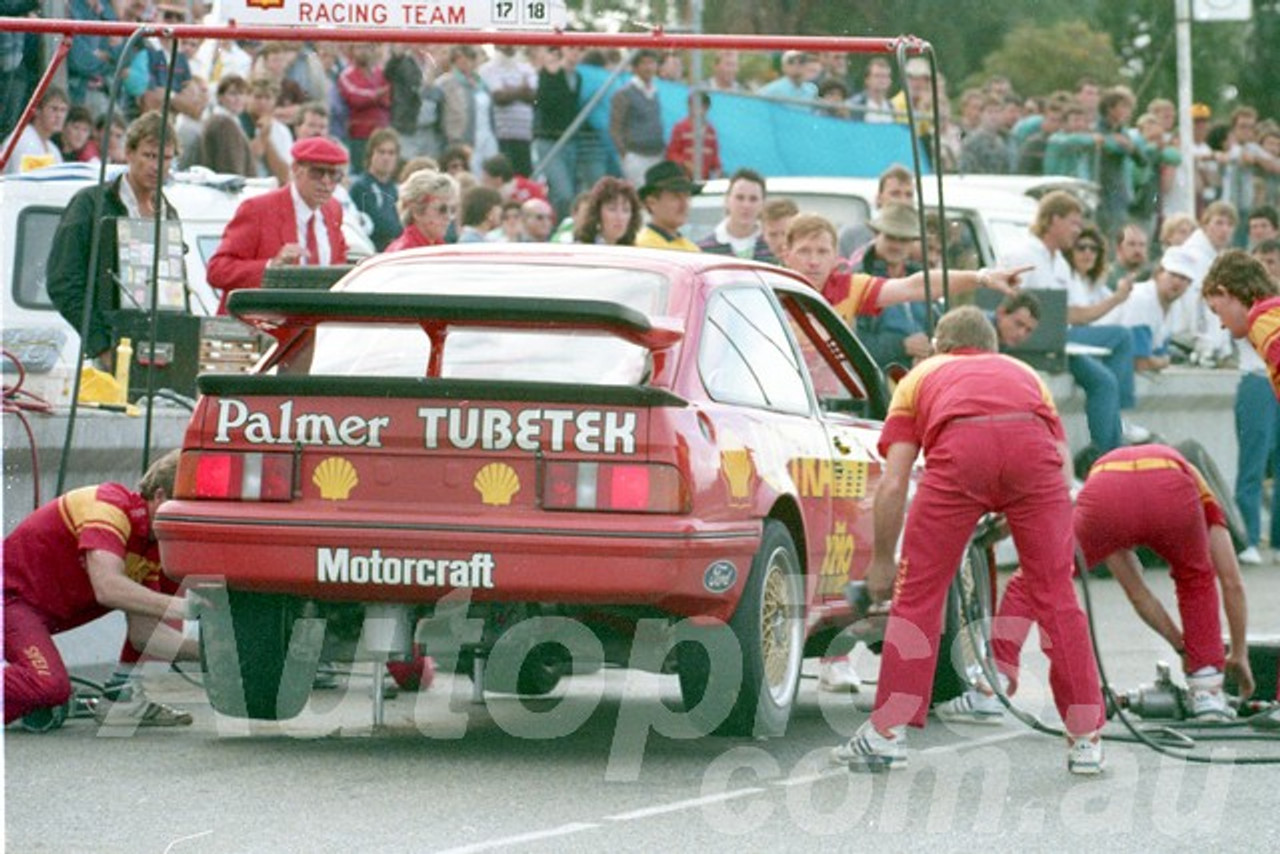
[458, 15]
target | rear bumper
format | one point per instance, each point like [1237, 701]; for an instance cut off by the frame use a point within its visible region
[670, 564]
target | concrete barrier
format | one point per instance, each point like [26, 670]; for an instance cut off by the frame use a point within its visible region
[1175, 404]
[107, 446]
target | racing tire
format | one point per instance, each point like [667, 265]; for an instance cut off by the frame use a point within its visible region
[262, 624]
[969, 603]
[768, 627]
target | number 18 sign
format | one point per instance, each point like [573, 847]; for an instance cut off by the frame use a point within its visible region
[410, 14]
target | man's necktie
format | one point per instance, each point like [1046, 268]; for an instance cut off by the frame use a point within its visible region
[313, 241]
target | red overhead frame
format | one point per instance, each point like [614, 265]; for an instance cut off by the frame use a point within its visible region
[656, 38]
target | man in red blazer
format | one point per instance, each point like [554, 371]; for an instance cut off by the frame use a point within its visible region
[297, 224]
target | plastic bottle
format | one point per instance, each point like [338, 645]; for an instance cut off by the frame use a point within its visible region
[124, 357]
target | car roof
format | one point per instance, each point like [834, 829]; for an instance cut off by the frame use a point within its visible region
[1009, 193]
[666, 261]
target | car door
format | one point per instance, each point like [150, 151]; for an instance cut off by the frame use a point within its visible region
[851, 400]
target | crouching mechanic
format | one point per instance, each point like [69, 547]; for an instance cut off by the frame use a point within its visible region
[73, 560]
[992, 442]
[1145, 495]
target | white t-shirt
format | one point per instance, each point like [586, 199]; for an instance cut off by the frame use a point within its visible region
[281, 140]
[1143, 311]
[32, 153]
[1081, 293]
[1051, 270]
[1191, 315]
[741, 247]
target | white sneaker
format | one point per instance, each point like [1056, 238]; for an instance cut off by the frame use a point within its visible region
[1134, 433]
[869, 751]
[838, 676]
[973, 707]
[1084, 754]
[137, 710]
[1208, 703]
[1250, 556]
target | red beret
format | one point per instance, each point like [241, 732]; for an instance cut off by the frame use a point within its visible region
[318, 149]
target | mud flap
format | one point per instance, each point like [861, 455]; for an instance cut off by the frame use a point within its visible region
[220, 653]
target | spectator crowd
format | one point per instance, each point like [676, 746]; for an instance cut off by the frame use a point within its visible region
[454, 143]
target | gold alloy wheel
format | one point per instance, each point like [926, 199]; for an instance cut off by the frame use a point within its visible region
[780, 627]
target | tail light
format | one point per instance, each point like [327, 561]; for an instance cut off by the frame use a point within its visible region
[252, 476]
[614, 487]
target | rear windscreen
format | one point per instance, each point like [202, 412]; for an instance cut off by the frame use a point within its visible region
[479, 352]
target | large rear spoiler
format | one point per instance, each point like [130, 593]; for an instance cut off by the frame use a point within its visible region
[283, 313]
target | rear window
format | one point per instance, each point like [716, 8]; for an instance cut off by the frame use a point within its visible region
[642, 290]
[386, 350]
[563, 356]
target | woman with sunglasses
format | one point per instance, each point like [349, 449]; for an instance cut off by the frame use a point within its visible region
[428, 204]
[1095, 318]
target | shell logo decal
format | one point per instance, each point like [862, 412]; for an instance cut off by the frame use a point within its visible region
[738, 471]
[497, 483]
[336, 478]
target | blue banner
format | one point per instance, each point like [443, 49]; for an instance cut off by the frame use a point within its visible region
[774, 139]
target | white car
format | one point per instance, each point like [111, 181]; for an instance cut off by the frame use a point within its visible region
[986, 212]
[31, 206]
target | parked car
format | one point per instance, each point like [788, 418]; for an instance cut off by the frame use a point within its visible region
[579, 443]
[986, 212]
[31, 207]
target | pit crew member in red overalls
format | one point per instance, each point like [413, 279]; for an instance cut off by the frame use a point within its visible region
[811, 251]
[1146, 495]
[1247, 302]
[73, 560]
[993, 442]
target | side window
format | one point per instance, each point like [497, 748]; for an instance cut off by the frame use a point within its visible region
[963, 252]
[845, 379]
[36, 226]
[745, 355]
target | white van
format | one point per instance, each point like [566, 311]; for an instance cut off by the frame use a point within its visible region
[987, 213]
[31, 206]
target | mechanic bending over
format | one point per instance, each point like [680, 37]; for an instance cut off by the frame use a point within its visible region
[993, 442]
[1247, 302]
[1145, 495]
[73, 560]
[811, 251]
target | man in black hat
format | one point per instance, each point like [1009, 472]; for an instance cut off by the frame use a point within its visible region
[665, 195]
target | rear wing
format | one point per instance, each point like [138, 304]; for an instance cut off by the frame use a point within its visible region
[284, 314]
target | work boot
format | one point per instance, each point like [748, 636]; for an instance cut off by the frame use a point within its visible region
[1084, 754]
[836, 675]
[971, 707]
[1208, 703]
[137, 710]
[869, 751]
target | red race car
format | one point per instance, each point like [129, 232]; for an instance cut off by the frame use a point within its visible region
[530, 460]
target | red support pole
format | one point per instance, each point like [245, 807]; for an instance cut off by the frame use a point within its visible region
[64, 47]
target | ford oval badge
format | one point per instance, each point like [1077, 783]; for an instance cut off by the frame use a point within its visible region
[720, 576]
